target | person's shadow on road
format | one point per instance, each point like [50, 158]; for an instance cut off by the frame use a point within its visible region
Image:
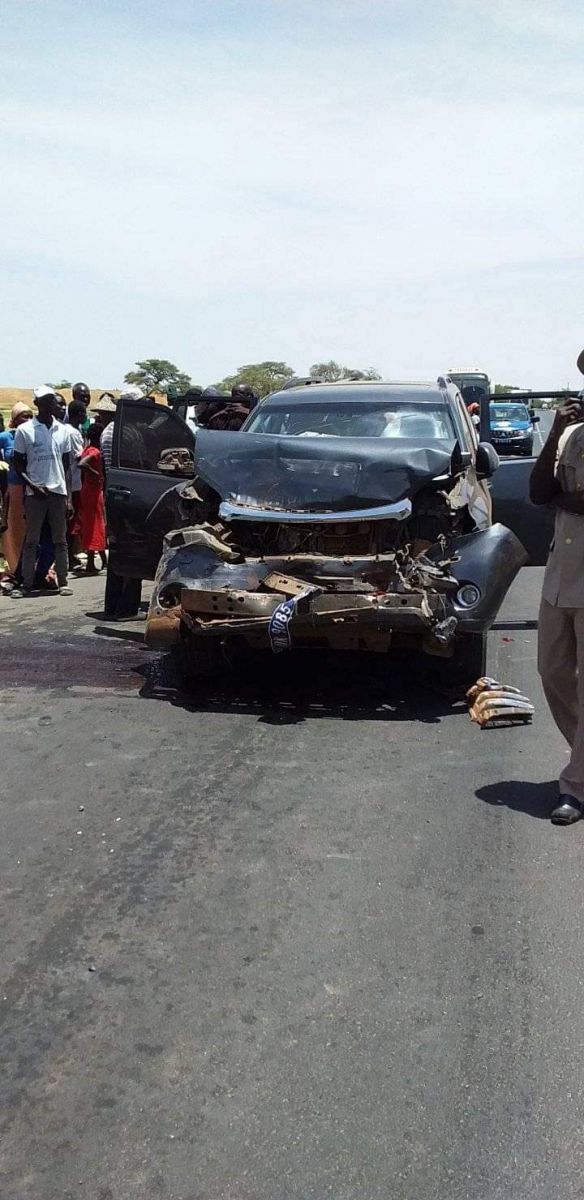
[533, 799]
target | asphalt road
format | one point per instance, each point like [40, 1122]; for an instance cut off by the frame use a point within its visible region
[305, 936]
[541, 430]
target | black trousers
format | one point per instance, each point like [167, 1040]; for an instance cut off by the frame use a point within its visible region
[53, 508]
[122, 595]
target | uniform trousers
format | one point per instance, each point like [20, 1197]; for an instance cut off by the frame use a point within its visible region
[560, 661]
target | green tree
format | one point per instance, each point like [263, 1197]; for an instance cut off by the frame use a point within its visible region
[155, 375]
[264, 377]
[65, 383]
[506, 387]
[331, 371]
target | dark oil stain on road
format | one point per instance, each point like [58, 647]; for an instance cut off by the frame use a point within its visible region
[277, 693]
[57, 662]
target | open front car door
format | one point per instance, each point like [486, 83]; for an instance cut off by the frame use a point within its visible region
[532, 524]
[153, 450]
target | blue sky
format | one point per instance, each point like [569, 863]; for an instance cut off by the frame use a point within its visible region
[388, 183]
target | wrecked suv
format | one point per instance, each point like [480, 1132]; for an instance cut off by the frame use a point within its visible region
[345, 516]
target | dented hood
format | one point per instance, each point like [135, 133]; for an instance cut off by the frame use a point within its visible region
[316, 474]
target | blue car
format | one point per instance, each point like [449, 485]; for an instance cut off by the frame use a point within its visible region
[512, 428]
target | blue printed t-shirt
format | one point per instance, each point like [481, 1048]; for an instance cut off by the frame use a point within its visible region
[6, 452]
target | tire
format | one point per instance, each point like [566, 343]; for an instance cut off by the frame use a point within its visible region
[468, 663]
[198, 657]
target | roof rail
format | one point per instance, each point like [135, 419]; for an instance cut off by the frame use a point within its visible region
[298, 381]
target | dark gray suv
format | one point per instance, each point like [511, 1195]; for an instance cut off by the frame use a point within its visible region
[354, 516]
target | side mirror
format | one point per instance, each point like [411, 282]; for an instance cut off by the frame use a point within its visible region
[177, 461]
[535, 419]
[487, 460]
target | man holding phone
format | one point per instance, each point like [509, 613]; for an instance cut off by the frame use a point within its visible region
[558, 479]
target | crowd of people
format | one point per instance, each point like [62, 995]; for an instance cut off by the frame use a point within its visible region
[53, 472]
[208, 408]
[51, 482]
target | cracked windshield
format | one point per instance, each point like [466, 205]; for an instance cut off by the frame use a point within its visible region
[363, 420]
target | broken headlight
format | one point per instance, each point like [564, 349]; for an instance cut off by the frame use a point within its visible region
[468, 595]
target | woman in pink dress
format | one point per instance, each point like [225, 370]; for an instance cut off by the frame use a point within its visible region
[91, 512]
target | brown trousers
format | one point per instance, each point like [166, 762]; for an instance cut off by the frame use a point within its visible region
[560, 661]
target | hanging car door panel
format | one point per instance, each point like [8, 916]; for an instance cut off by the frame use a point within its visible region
[153, 449]
[532, 524]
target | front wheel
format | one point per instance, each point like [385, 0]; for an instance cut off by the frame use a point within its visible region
[198, 657]
[468, 662]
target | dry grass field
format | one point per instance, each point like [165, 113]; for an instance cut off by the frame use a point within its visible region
[12, 396]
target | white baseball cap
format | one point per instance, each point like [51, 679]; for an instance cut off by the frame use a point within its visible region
[39, 393]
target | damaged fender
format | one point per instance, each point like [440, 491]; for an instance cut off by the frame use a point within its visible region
[490, 559]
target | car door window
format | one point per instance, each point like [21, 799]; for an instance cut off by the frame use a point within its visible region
[469, 425]
[152, 451]
[464, 427]
[144, 435]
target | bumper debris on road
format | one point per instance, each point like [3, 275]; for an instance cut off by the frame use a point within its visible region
[492, 703]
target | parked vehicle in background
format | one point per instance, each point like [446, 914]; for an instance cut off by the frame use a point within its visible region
[512, 428]
[474, 379]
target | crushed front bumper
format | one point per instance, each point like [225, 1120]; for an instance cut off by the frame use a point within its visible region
[204, 584]
[339, 619]
[217, 594]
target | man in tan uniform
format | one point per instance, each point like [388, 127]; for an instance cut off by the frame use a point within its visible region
[558, 479]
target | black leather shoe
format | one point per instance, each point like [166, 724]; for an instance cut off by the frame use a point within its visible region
[567, 811]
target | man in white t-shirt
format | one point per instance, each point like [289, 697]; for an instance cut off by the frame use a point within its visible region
[42, 458]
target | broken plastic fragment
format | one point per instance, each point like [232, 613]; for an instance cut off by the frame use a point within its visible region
[492, 703]
[445, 630]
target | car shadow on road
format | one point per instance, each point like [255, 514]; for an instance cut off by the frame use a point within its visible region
[121, 635]
[533, 799]
[306, 688]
